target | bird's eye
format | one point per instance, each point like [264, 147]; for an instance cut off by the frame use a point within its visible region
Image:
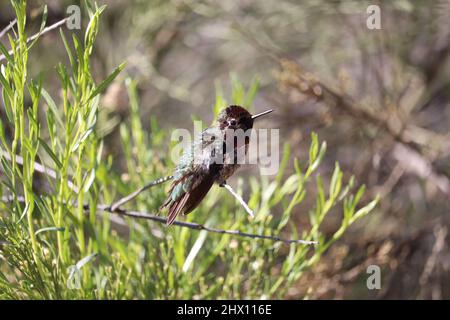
[232, 122]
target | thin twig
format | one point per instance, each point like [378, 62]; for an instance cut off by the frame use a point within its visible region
[133, 195]
[190, 225]
[47, 29]
[440, 234]
[8, 27]
[239, 199]
[40, 33]
[197, 226]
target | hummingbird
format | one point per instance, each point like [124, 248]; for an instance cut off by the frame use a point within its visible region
[211, 158]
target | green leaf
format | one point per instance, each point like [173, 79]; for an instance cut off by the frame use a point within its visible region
[290, 185]
[69, 51]
[78, 49]
[320, 201]
[24, 213]
[365, 210]
[76, 268]
[107, 81]
[82, 138]
[359, 194]
[85, 260]
[46, 229]
[6, 54]
[92, 116]
[63, 75]
[44, 19]
[314, 148]
[284, 162]
[7, 170]
[7, 104]
[298, 168]
[237, 90]
[50, 153]
[6, 85]
[2, 137]
[336, 182]
[317, 158]
[89, 181]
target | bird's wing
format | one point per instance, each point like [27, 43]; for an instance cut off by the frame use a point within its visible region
[186, 194]
[176, 207]
[193, 177]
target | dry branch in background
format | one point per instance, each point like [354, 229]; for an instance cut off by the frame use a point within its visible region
[411, 139]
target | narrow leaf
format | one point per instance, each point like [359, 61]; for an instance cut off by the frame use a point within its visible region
[50, 153]
[100, 88]
[49, 229]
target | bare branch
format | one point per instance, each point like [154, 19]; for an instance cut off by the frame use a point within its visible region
[42, 32]
[239, 199]
[196, 226]
[133, 195]
[405, 134]
[414, 162]
[8, 27]
[47, 29]
[440, 234]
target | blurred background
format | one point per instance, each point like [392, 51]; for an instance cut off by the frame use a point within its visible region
[380, 98]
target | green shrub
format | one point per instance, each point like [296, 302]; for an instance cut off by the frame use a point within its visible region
[55, 244]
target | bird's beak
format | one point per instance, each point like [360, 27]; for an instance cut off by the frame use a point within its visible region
[261, 114]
